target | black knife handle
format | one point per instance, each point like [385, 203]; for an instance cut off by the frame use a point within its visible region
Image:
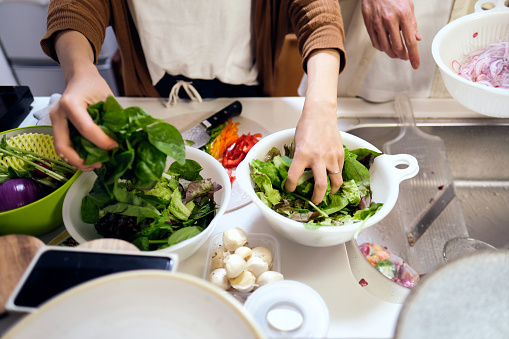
[232, 110]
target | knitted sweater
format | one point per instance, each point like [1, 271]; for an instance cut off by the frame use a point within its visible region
[316, 23]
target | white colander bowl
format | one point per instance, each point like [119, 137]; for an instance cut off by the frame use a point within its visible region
[386, 173]
[467, 34]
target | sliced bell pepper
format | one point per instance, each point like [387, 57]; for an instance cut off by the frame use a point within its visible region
[226, 138]
[238, 150]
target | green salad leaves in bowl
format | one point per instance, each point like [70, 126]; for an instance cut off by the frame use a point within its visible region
[152, 190]
[369, 191]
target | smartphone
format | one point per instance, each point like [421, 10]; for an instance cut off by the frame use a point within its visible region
[55, 269]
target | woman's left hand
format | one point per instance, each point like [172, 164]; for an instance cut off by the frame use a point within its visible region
[317, 143]
[317, 146]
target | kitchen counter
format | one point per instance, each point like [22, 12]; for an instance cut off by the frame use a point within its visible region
[354, 313]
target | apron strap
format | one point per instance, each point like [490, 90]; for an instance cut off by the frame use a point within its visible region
[357, 43]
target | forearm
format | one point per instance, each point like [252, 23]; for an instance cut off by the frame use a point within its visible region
[323, 71]
[317, 131]
[75, 54]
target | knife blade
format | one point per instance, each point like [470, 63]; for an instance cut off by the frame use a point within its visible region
[200, 134]
[429, 214]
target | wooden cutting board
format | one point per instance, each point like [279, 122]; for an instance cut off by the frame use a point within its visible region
[16, 252]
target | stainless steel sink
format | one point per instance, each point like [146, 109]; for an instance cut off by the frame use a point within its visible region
[478, 154]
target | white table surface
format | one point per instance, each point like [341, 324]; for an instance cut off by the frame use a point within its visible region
[354, 313]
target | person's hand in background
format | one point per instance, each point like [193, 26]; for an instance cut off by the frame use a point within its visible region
[84, 86]
[392, 27]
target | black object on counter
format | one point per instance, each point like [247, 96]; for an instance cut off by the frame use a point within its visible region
[15, 104]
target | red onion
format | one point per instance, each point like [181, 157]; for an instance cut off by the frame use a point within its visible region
[44, 163]
[489, 66]
[15, 193]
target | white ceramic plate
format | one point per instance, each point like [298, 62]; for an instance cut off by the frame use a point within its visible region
[140, 304]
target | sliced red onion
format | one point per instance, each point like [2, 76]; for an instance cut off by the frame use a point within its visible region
[489, 66]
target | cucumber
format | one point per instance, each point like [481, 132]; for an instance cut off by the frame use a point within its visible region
[387, 268]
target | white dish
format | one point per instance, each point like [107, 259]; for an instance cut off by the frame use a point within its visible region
[466, 298]
[375, 282]
[140, 304]
[462, 36]
[83, 232]
[386, 174]
[281, 314]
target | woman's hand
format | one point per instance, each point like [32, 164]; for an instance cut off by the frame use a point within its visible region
[84, 86]
[384, 19]
[317, 143]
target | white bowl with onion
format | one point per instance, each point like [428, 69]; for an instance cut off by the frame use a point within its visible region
[465, 35]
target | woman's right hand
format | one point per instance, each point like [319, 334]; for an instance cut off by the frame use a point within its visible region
[84, 86]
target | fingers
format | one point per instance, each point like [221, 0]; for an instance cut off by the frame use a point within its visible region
[411, 36]
[392, 28]
[336, 180]
[396, 42]
[320, 175]
[321, 169]
[62, 142]
[66, 111]
[294, 173]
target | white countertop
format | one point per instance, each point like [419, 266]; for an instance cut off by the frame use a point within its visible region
[354, 313]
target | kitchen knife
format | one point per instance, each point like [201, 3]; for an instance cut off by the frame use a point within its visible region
[429, 214]
[200, 134]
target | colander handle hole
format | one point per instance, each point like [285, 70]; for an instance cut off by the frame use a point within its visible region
[488, 5]
[402, 166]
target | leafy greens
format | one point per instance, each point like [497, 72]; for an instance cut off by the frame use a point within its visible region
[350, 204]
[133, 198]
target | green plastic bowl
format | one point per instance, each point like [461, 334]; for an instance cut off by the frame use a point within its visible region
[42, 215]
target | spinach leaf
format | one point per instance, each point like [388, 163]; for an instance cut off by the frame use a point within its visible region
[183, 234]
[167, 139]
[131, 210]
[89, 211]
[144, 143]
[353, 169]
[190, 170]
[149, 165]
[142, 243]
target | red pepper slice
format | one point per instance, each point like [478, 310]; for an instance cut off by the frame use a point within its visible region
[238, 150]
